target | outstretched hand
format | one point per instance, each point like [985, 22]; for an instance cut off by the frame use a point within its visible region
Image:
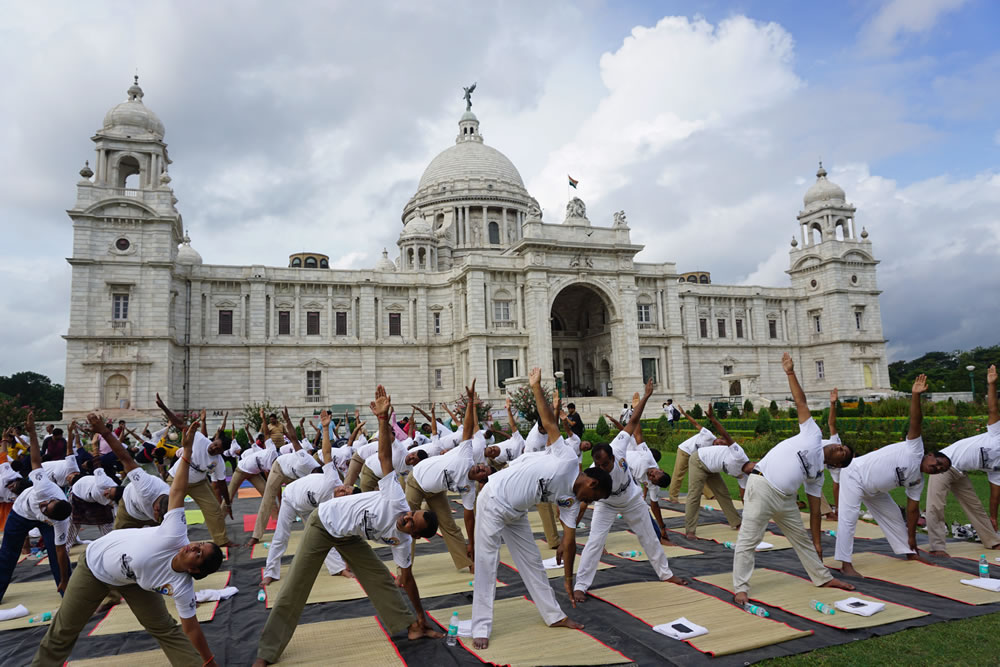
[97, 424]
[535, 377]
[29, 420]
[991, 375]
[471, 391]
[324, 418]
[382, 403]
[189, 432]
[834, 395]
[920, 384]
[649, 388]
[787, 364]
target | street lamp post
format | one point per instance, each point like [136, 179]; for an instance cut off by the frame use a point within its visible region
[559, 382]
[972, 381]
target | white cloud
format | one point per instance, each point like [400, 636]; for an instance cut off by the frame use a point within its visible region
[899, 18]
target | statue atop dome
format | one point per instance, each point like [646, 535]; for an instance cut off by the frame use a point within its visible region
[576, 212]
[468, 95]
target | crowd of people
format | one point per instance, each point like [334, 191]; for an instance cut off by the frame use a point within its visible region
[349, 490]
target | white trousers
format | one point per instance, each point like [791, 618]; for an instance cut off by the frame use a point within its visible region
[762, 503]
[636, 513]
[881, 505]
[496, 524]
[282, 531]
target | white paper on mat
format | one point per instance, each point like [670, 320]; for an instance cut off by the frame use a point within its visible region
[15, 612]
[551, 564]
[764, 545]
[985, 584]
[668, 629]
[213, 594]
[465, 628]
[868, 609]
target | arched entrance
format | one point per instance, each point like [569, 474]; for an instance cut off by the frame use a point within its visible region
[116, 392]
[581, 339]
[735, 388]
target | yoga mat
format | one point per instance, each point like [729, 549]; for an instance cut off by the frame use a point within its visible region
[326, 588]
[730, 629]
[508, 559]
[714, 503]
[521, 639]
[793, 594]
[38, 596]
[74, 554]
[671, 514]
[863, 530]
[359, 641]
[250, 519]
[247, 492]
[194, 516]
[620, 541]
[121, 619]
[940, 581]
[436, 575]
[970, 551]
[722, 533]
[294, 539]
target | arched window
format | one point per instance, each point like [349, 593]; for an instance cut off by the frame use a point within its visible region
[422, 258]
[324, 263]
[692, 279]
[703, 279]
[128, 172]
[116, 392]
[494, 233]
[310, 262]
[816, 233]
[296, 262]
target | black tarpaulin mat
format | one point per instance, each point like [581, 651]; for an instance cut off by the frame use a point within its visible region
[234, 631]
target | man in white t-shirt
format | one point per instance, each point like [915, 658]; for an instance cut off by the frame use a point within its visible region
[345, 523]
[980, 452]
[625, 501]
[869, 479]
[705, 468]
[42, 506]
[537, 441]
[93, 498]
[501, 517]
[299, 499]
[403, 461]
[143, 565]
[457, 472]
[704, 438]
[206, 465]
[771, 494]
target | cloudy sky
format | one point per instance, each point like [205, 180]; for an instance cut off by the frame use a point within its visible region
[307, 125]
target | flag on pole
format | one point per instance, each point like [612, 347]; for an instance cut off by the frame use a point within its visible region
[572, 181]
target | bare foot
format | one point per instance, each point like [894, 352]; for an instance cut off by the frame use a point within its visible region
[253, 541]
[940, 554]
[736, 527]
[579, 597]
[667, 543]
[850, 571]
[680, 581]
[567, 623]
[832, 516]
[741, 599]
[472, 568]
[690, 536]
[419, 631]
[346, 573]
[480, 643]
[266, 581]
[837, 583]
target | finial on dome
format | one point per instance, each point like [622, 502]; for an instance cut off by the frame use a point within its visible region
[795, 242]
[864, 233]
[86, 172]
[134, 91]
[821, 172]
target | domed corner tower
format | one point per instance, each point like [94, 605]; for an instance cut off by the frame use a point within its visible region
[470, 198]
[832, 265]
[129, 256]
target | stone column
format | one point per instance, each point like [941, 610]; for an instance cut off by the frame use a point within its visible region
[485, 229]
[466, 225]
[298, 313]
[366, 314]
[537, 325]
[627, 373]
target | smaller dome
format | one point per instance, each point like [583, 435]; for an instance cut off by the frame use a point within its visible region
[131, 118]
[468, 115]
[86, 172]
[384, 263]
[186, 254]
[417, 226]
[823, 190]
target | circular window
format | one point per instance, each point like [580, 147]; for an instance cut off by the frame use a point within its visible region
[123, 244]
[813, 283]
[854, 280]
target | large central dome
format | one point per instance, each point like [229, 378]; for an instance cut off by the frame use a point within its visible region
[470, 160]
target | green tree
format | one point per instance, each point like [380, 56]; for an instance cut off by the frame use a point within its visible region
[523, 400]
[773, 408]
[662, 425]
[36, 390]
[251, 415]
[736, 412]
[482, 408]
[861, 407]
[602, 427]
[763, 422]
[748, 407]
[697, 412]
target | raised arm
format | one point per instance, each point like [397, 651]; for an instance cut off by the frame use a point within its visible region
[290, 431]
[179, 487]
[614, 422]
[633, 422]
[469, 424]
[510, 417]
[991, 395]
[801, 405]
[204, 422]
[171, 417]
[694, 422]
[545, 414]
[324, 420]
[916, 409]
[98, 426]
[434, 421]
[720, 429]
[225, 418]
[36, 454]
[833, 412]
[451, 414]
[381, 407]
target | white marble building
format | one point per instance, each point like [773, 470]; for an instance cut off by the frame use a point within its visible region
[482, 287]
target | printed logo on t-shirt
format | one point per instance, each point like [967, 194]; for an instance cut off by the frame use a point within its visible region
[311, 498]
[901, 476]
[544, 495]
[807, 466]
[127, 570]
[166, 589]
[622, 464]
[462, 489]
[449, 481]
[391, 541]
[564, 502]
[366, 525]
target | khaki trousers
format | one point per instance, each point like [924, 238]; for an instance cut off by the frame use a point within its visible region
[83, 595]
[202, 494]
[438, 503]
[369, 482]
[549, 524]
[937, 494]
[698, 478]
[373, 576]
[269, 499]
[762, 503]
[680, 470]
[353, 470]
[238, 478]
[125, 520]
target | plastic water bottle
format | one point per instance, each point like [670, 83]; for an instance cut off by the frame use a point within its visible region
[619, 516]
[756, 610]
[984, 567]
[452, 638]
[729, 545]
[41, 618]
[261, 595]
[629, 554]
[266, 545]
[831, 533]
[581, 525]
[822, 608]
